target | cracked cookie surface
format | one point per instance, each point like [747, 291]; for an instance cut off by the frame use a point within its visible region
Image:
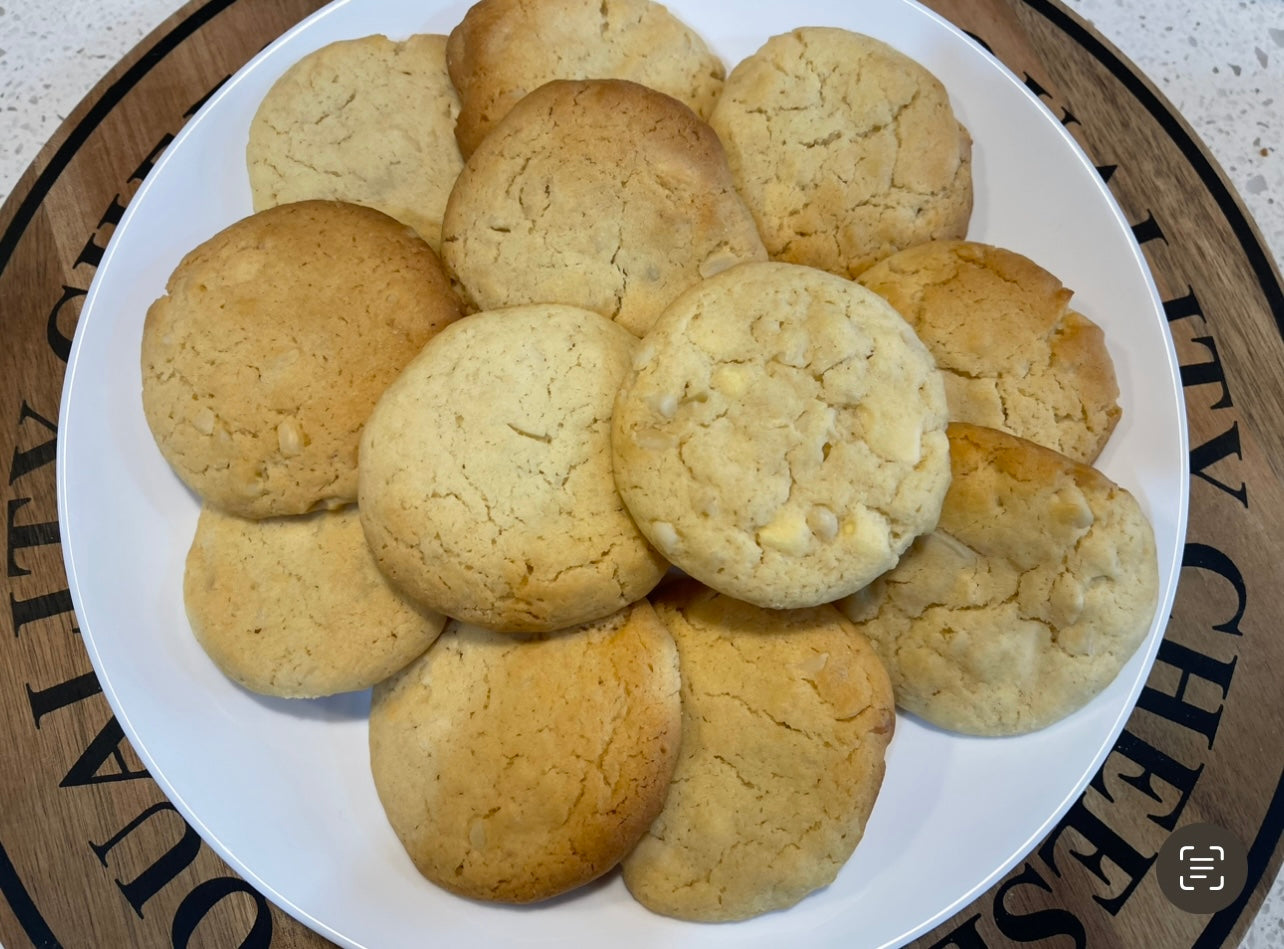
[272, 343]
[781, 436]
[845, 149]
[485, 476]
[786, 716]
[1039, 583]
[370, 121]
[600, 194]
[503, 49]
[517, 768]
[295, 606]
[1014, 355]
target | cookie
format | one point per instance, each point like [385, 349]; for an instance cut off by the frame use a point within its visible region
[272, 343]
[1039, 583]
[605, 195]
[1014, 355]
[503, 49]
[295, 606]
[782, 435]
[370, 121]
[515, 769]
[786, 716]
[845, 149]
[485, 483]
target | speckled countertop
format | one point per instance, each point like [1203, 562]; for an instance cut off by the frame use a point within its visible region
[1220, 63]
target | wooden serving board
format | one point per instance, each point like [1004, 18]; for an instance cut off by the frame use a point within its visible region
[92, 854]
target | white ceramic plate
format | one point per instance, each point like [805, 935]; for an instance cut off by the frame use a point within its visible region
[282, 789]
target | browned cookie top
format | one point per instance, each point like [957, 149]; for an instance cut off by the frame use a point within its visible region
[601, 194]
[846, 149]
[503, 49]
[272, 343]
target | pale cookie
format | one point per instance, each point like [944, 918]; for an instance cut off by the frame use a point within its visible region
[604, 195]
[504, 49]
[845, 149]
[782, 435]
[486, 488]
[1014, 355]
[515, 769]
[370, 121]
[271, 345]
[1038, 585]
[295, 606]
[786, 716]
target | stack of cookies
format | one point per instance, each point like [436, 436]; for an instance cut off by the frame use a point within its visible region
[644, 435]
[260, 365]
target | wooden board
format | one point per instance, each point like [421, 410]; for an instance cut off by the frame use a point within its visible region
[91, 853]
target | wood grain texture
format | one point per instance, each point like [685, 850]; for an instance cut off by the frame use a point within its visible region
[1218, 761]
[91, 853]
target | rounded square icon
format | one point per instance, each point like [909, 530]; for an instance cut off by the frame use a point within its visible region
[1202, 868]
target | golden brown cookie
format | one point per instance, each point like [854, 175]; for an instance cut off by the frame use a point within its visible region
[272, 343]
[486, 488]
[1039, 583]
[517, 768]
[370, 121]
[1014, 355]
[605, 195]
[845, 149]
[782, 435]
[295, 606]
[786, 716]
[504, 49]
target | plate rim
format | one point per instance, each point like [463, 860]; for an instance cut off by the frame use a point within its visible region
[1169, 578]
